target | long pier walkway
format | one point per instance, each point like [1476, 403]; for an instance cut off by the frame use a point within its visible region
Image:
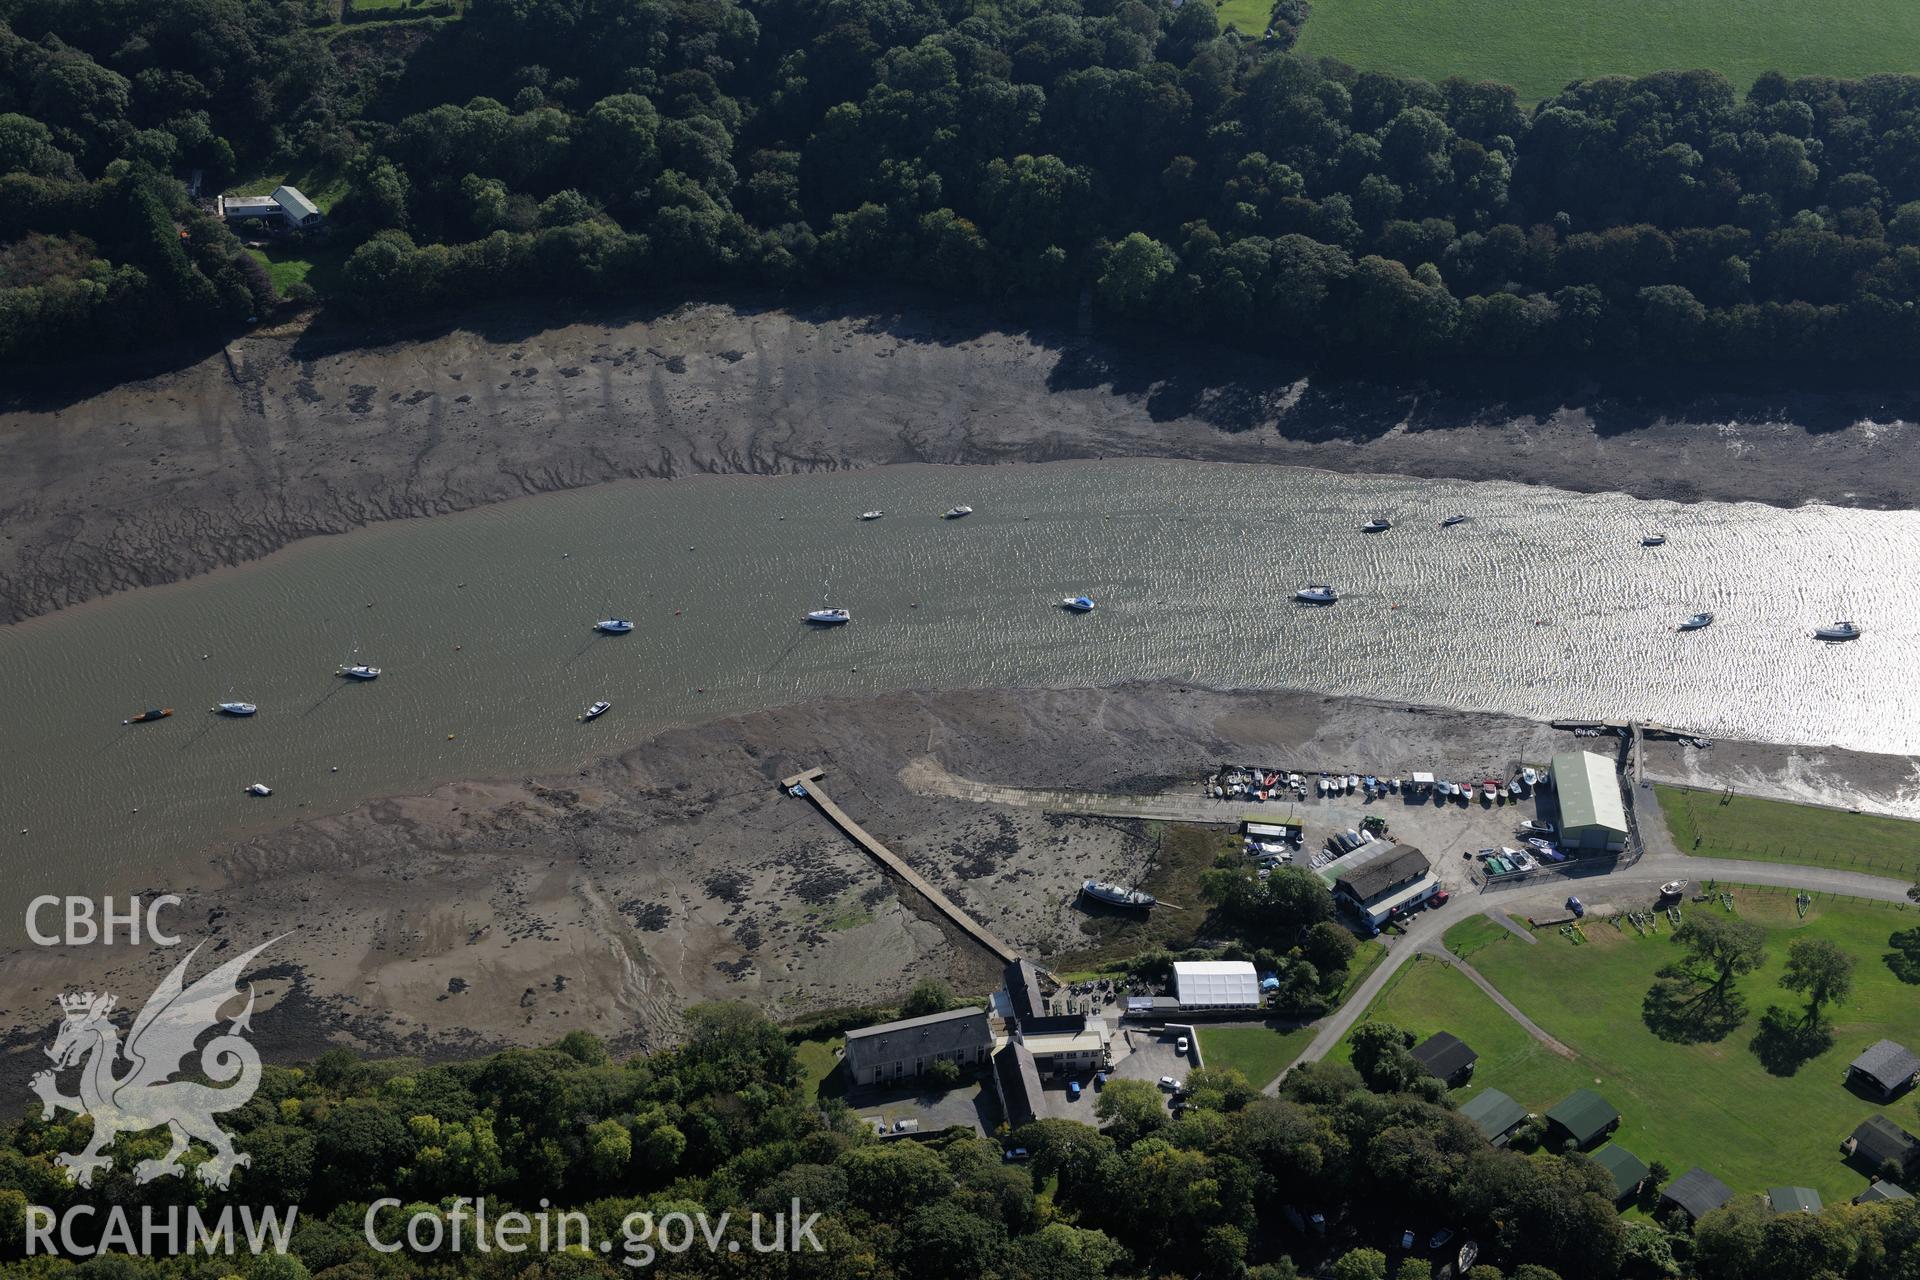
[809, 781]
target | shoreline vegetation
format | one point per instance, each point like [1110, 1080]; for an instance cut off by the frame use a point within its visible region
[317, 430]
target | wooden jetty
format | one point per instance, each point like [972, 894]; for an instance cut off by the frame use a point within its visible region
[809, 782]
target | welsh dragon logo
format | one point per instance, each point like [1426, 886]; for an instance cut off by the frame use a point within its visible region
[127, 1088]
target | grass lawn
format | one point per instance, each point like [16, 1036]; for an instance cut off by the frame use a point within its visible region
[1707, 824]
[1708, 1104]
[1539, 45]
[1258, 1053]
[1250, 16]
[821, 1077]
[1472, 934]
[318, 266]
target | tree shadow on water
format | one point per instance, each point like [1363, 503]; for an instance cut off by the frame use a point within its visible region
[1679, 1011]
[1785, 1043]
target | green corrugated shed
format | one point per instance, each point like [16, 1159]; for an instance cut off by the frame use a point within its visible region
[1494, 1112]
[1583, 1115]
[1794, 1200]
[1591, 813]
[1628, 1169]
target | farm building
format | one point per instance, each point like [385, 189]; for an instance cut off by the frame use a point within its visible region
[901, 1050]
[1885, 1070]
[286, 209]
[1697, 1192]
[1447, 1057]
[1381, 879]
[1216, 984]
[1583, 1117]
[1880, 1191]
[1879, 1140]
[1017, 1082]
[1794, 1200]
[1495, 1114]
[1592, 815]
[1628, 1170]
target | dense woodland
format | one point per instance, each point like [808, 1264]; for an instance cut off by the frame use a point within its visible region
[1049, 149]
[722, 1123]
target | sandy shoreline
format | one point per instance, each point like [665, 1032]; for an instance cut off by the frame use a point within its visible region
[490, 913]
[284, 437]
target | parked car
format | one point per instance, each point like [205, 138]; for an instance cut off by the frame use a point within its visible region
[1181, 1046]
[1406, 1239]
[1099, 1080]
[1169, 1084]
[1018, 1156]
[906, 1126]
[1073, 1091]
[1439, 898]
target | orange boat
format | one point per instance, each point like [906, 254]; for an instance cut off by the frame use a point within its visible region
[151, 713]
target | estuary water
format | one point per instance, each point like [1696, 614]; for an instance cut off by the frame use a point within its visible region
[1544, 605]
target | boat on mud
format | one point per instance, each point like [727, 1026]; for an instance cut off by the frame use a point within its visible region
[1114, 895]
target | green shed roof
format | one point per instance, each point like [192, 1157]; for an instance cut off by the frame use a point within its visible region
[1589, 792]
[1628, 1169]
[1882, 1191]
[1584, 1114]
[1794, 1200]
[1494, 1112]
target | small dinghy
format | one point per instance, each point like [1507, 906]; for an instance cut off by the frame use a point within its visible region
[1696, 622]
[595, 711]
[1451, 521]
[613, 626]
[236, 709]
[359, 671]
[829, 617]
[871, 515]
[1077, 604]
[1838, 631]
[259, 789]
[1379, 524]
[1316, 593]
[954, 513]
[149, 715]
[1654, 540]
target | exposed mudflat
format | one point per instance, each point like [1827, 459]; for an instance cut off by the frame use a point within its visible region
[610, 899]
[286, 435]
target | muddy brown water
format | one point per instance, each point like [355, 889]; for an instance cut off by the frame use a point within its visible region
[1543, 605]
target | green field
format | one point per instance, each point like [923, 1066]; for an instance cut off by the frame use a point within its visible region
[820, 1076]
[1683, 1104]
[1258, 1053]
[1249, 16]
[1710, 825]
[1539, 45]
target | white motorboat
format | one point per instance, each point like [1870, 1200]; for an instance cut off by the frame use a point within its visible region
[1696, 622]
[1673, 888]
[259, 789]
[1451, 521]
[359, 671]
[595, 711]
[1529, 776]
[1353, 783]
[613, 626]
[1116, 896]
[236, 709]
[1316, 593]
[954, 513]
[1379, 524]
[1654, 540]
[1077, 604]
[1838, 631]
[829, 617]
[871, 515]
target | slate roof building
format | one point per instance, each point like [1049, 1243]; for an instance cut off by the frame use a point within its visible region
[1879, 1140]
[1023, 991]
[1583, 1117]
[1885, 1070]
[1446, 1056]
[1017, 1082]
[1697, 1192]
[1495, 1114]
[895, 1051]
[1381, 878]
